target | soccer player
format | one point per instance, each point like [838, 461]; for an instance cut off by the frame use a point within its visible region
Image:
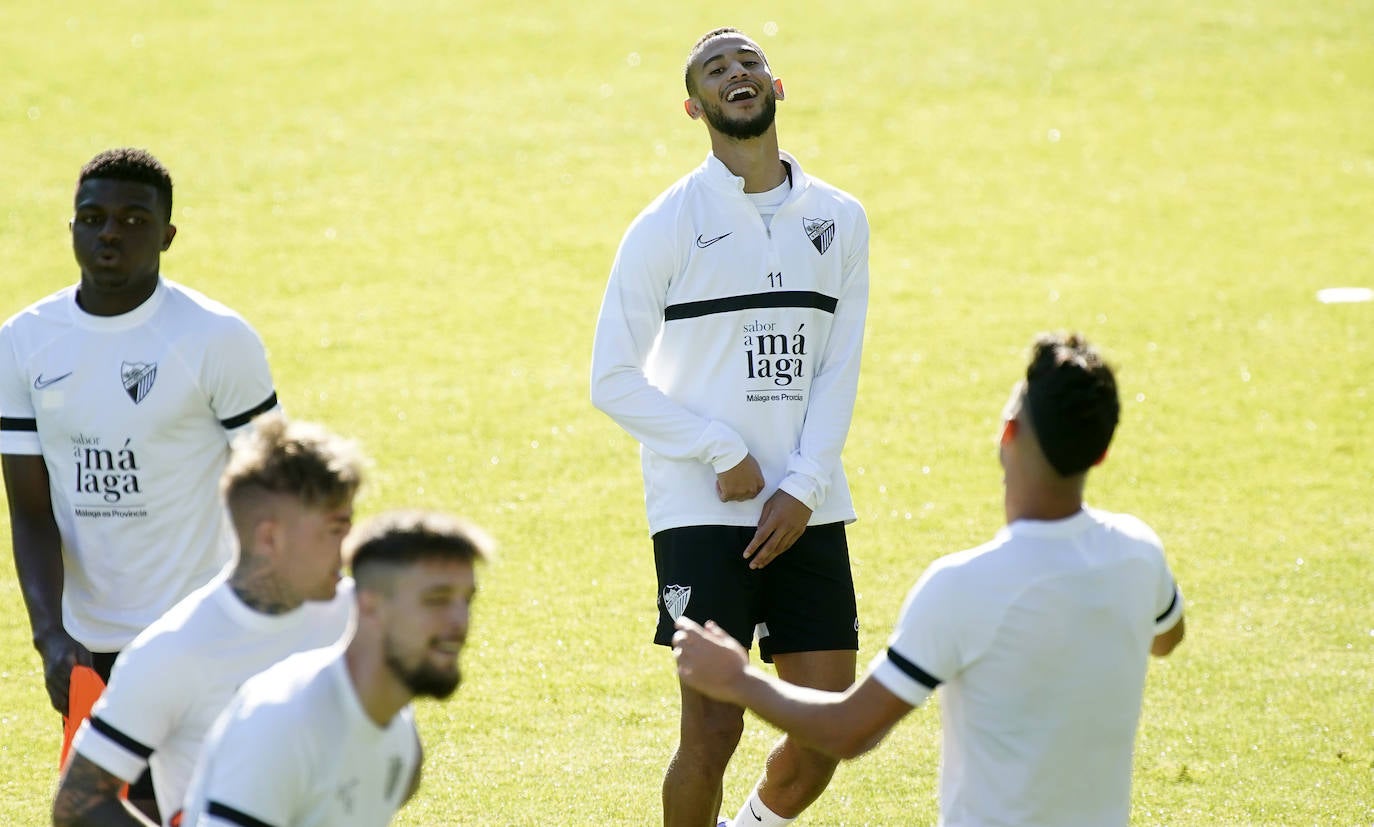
[328, 737]
[1039, 638]
[728, 345]
[290, 490]
[118, 399]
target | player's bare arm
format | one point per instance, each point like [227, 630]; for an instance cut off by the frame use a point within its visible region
[1165, 642]
[38, 564]
[781, 522]
[88, 796]
[741, 483]
[842, 724]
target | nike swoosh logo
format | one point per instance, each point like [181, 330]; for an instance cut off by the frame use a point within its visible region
[40, 383]
[756, 816]
[703, 243]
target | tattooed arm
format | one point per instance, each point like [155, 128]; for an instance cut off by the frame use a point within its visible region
[88, 796]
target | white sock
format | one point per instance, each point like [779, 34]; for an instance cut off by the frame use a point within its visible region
[755, 813]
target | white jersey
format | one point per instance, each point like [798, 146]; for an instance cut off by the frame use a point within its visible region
[1039, 642]
[133, 415]
[296, 749]
[173, 681]
[720, 337]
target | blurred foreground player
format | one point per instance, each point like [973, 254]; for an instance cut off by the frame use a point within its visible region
[290, 489]
[328, 737]
[1038, 638]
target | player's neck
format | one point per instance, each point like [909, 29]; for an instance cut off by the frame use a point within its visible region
[260, 590]
[1045, 502]
[380, 692]
[756, 160]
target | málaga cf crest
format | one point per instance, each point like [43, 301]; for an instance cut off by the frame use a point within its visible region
[138, 379]
[821, 231]
[675, 600]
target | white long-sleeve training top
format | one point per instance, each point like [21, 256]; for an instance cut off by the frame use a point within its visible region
[720, 337]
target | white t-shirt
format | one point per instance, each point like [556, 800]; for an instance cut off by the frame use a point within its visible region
[133, 415]
[1039, 642]
[178, 675]
[720, 336]
[296, 749]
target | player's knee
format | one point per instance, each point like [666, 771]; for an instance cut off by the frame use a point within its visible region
[714, 730]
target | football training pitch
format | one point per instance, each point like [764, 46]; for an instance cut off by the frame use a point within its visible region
[416, 204]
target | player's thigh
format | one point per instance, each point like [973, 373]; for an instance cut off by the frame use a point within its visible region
[807, 596]
[702, 574]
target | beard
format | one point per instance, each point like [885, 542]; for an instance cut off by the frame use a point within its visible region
[423, 679]
[746, 129]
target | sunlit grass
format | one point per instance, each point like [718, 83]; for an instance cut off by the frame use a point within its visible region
[416, 204]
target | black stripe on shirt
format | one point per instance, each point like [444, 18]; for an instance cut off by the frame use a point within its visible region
[10, 423]
[1172, 604]
[778, 298]
[247, 416]
[120, 738]
[233, 816]
[913, 671]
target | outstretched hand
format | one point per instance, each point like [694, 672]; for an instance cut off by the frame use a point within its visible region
[708, 659]
[782, 521]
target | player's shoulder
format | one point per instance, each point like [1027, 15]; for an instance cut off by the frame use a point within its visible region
[1125, 525]
[189, 301]
[819, 189]
[292, 677]
[51, 308]
[183, 632]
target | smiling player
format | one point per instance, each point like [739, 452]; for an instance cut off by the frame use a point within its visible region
[728, 344]
[329, 737]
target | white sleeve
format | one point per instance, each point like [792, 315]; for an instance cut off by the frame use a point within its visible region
[18, 426]
[237, 377]
[249, 774]
[139, 709]
[836, 384]
[629, 324]
[1168, 603]
[924, 650]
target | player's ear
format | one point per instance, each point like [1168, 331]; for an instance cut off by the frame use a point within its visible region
[1008, 432]
[692, 108]
[1102, 458]
[168, 236]
[777, 88]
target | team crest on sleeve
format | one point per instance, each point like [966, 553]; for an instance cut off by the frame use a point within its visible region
[675, 600]
[138, 379]
[821, 231]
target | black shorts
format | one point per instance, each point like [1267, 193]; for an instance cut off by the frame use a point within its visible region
[803, 601]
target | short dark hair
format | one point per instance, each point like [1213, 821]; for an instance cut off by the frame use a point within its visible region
[695, 52]
[130, 164]
[403, 538]
[1071, 400]
[295, 459]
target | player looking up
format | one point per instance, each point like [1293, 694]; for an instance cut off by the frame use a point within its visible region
[728, 345]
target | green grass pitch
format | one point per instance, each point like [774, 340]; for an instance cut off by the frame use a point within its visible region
[416, 204]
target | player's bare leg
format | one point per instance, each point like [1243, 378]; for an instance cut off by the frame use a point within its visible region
[794, 776]
[692, 785]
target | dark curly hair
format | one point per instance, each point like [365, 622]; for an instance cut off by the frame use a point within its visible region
[130, 164]
[1071, 400]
